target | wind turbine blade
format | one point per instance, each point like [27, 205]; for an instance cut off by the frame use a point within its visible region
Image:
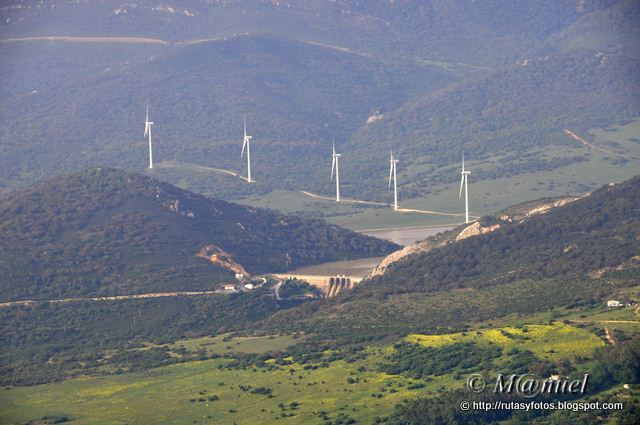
[461, 184]
[390, 174]
[244, 122]
[244, 144]
[462, 160]
[146, 120]
[334, 146]
[333, 166]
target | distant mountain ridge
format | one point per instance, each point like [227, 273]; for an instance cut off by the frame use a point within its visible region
[109, 232]
[453, 31]
[500, 80]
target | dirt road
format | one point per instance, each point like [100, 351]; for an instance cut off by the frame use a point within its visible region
[111, 298]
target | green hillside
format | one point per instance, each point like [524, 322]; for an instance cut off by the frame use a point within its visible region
[485, 304]
[296, 97]
[511, 121]
[109, 232]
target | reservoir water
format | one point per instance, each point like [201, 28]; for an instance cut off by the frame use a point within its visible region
[362, 266]
[406, 235]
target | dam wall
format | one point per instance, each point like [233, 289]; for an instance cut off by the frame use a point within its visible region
[330, 286]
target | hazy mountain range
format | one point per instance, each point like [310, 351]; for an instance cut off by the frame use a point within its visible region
[501, 80]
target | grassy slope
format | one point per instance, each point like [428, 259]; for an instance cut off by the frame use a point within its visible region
[163, 394]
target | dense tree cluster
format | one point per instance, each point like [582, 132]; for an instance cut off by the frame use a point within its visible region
[417, 361]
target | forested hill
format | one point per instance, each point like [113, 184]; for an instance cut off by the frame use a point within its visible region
[575, 254]
[597, 233]
[106, 231]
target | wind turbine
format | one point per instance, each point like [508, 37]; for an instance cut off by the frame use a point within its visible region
[147, 132]
[335, 166]
[246, 142]
[464, 182]
[392, 173]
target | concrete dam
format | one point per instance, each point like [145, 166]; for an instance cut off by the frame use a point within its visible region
[330, 286]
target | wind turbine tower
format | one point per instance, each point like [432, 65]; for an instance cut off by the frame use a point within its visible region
[335, 166]
[392, 173]
[464, 182]
[147, 132]
[246, 142]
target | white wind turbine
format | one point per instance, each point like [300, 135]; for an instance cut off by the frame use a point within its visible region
[392, 173]
[246, 142]
[147, 132]
[464, 182]
[335, 166]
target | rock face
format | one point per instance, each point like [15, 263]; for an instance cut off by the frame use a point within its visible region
[545, 208]
[219, 257]
[476, 229]
[395, 256]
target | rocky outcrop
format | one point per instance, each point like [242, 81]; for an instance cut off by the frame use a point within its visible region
[476, 229]
[220, 258]
[395, 256]
[175, 207]
[525, 214]
[546, 207]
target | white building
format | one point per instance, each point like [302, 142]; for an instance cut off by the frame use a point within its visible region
[614, 303]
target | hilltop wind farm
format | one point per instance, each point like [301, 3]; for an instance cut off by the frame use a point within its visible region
[334, 177]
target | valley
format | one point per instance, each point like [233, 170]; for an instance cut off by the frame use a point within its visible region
[337, 212]
[346, 358]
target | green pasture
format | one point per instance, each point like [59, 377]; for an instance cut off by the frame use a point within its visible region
[225, 344]
[202, 392]
[553, 342]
